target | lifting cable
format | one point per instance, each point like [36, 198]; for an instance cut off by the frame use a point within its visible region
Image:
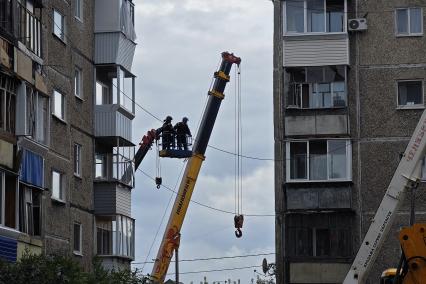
[238, 183]
[158, 178]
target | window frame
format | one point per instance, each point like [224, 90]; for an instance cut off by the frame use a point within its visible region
[77, 159]
[409, 33]
[78, 82]
[55, 25]
[78, 251]
[36, 96]
[61, 186]
[415, 106]
[78, 12]
[305, 23]
[311, 88]
[348, 177]
[62, 105]
[9, 91]
[3, 175]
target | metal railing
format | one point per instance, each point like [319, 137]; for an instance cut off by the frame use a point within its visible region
[28, 30]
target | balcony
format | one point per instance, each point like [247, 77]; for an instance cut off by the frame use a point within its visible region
[20, 24]
[115, 107]
[114, 32]
[115, 240]
[316, 123]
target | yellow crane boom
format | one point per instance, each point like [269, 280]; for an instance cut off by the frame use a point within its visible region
[171, 235]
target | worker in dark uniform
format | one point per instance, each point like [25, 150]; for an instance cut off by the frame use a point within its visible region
[182, 131]
[168, 133]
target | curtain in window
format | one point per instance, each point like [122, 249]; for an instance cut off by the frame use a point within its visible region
[31, 168]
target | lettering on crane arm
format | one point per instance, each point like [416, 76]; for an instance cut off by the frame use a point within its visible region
[376, 241]
[417, 141]
[183, 196]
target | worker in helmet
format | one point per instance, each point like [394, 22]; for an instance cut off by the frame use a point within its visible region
[182, 132]
[168, 133]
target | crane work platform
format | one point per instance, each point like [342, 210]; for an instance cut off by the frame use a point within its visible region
[175, 153]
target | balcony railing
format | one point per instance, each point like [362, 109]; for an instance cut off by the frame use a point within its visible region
[29, 29]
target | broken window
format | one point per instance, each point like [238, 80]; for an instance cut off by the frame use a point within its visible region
[8, 200]
[37, 116]
[115, 236]
[319, 235]
[115, 85]
[58, 25]
[29, 210]
[319, 160]
[7, 104]
[316, 87]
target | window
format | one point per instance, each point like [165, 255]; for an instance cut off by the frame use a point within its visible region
[409, 21]
[58, 191]
[77, 159]
[79, 9]
[78, 86]
[7, 104]
[37, 116]
[115, 85]
[58, 25]
[29, 210]
[315, 16]
[319, 235]
[58, 105]
[319, 160]
[410, 93]
[100, 168]
[122, 165]
[8, 200]
[78, 236]
[115, 236]
[316, 87]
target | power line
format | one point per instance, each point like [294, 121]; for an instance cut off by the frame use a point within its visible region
[216, 270]
[214, 258]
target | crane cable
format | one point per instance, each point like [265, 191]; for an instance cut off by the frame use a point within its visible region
[238, 183]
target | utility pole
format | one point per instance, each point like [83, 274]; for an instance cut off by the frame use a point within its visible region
[177, 244]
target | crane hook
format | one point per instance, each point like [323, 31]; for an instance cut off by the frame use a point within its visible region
[238, 223]
[158, 182]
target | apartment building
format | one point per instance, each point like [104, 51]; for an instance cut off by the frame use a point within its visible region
[66, 110]
[349, 80]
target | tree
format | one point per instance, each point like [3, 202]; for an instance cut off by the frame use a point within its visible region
[49, 269]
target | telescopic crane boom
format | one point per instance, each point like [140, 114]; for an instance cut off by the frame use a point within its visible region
[172, 233]
[406, 176]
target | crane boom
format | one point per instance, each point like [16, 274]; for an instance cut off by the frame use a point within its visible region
[172, 233]
[405, 176]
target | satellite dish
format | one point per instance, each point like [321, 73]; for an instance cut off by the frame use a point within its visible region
[265, 267]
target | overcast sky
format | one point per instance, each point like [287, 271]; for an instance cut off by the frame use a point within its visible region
[179, 46]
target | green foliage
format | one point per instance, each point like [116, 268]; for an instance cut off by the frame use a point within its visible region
[58, 269]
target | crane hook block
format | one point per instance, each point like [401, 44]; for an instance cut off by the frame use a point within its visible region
[238, 223]
[158, 182]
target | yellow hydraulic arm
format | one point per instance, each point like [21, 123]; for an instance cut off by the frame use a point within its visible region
[171, 235]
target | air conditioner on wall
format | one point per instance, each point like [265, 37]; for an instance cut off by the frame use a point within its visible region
[359, 24]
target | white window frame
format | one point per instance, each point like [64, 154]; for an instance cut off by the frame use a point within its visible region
[78, 12]
[416, 106]
[77, 159]
[55, 25]
[36, 96]
[78, 82]
[409, 33]
[348, 162]
[61, 186]
[305, 16]
[80, 251]
[54, 113]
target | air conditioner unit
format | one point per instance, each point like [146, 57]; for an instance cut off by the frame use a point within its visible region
[359, 24]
